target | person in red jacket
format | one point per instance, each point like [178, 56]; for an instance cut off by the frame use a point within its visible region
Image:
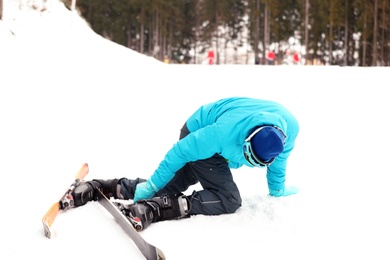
[296, 58]
[210, 57]
[271, 57]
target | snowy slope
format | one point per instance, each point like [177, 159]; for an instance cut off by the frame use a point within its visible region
[67, 96]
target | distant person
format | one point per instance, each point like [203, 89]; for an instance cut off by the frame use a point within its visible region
[166, 59]
[217, 137]
[296, 58]
[257, 60]
[210, 57]
[271, 57]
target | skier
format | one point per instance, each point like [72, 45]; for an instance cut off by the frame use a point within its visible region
[271, 57]
[296, 58]
[210, 57]
[228, 133]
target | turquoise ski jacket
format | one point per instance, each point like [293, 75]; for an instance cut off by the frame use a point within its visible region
[222, 127]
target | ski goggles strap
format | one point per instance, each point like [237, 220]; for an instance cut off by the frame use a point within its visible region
[250, 155]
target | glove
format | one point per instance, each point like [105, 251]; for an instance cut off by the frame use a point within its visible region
[145, 190]
[285, 192]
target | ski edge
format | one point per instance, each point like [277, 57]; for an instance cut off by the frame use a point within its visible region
[149, 251]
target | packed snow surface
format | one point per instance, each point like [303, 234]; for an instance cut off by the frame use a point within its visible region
[68, 96]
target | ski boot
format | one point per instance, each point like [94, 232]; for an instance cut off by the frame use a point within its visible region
[165, 207]
[87, 191]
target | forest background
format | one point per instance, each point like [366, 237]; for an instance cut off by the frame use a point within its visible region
[333, 32]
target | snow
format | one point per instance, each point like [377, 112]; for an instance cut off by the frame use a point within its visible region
[68, 96]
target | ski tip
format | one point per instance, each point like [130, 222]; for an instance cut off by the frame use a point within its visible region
[46, 230]
[49, 218]
[83, 171]
[160, 254]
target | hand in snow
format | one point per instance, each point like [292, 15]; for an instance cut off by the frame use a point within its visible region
[285, 192]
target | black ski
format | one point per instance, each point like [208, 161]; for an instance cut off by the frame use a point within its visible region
[149, 251]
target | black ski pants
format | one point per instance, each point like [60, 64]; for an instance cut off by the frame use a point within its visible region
[220, 194]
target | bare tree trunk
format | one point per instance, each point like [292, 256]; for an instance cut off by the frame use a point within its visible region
[156, 34]
[1, 9]
[375, 36]
[307, 7]
[364, 36]
[331, 32]
[257, 32]
[142, 30]
[128, 33]
[346, 35]
[383, 33]
[225, 52]
[169, 43]
[162, 41]
[217, 37]
[266, 31]
[266, 26]
[197, 26]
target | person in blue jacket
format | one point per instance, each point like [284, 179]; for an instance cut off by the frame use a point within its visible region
[219, 136]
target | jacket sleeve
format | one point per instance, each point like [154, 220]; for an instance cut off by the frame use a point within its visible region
[198, 145]
[276, 172]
